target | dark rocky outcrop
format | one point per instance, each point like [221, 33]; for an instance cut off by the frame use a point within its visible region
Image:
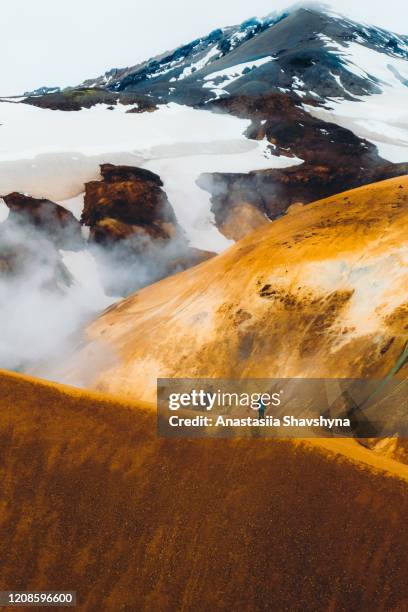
[126, 202]
[143, 106]
[55, 222]
[75, 99]
[31, 240]
[134, 232]
[334, 159]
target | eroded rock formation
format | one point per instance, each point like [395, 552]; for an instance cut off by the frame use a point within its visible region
[31, 240]
[54, 221]
[127, 201]
[135, 230]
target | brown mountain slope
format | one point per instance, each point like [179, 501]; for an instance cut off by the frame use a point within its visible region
[321, 292]
[92, 500]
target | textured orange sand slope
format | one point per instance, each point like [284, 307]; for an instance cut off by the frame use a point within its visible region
[91, 500]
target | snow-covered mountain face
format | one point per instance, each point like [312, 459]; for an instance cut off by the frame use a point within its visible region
[306, 52]
[322, 61]
[163, 75]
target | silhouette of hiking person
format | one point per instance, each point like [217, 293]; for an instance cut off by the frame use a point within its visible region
[261, 410]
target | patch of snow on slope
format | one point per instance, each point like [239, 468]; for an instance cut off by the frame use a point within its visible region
[182, 166]
[297, 82]
[381, 118]
[197, 65]
[27, 131]
[165, 68]
[368, 63]
[378, 283]
[217, 81]
[74, 205]
[237, 38]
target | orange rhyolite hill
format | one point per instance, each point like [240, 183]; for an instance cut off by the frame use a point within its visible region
[322, 292]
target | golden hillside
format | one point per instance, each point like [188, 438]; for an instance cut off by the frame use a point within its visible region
[322, 292]
[92, 500]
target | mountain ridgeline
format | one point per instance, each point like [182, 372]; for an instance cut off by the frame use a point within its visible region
[301, 52]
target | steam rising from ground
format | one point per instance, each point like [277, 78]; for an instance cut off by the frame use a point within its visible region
[138, 261]
[41, 303]
[48, 294]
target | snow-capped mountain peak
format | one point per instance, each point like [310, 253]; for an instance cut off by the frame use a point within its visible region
[306, 51]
